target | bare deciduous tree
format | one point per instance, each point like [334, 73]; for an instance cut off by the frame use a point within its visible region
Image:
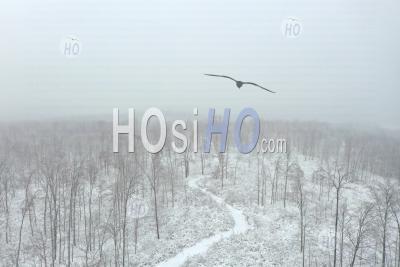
[384, 195]
[363, 222]
[338, 179]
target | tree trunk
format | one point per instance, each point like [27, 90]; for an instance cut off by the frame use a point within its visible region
[336, 226]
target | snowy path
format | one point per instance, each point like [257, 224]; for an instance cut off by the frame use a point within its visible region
[203, 245]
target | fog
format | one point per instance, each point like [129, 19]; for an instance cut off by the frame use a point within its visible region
[343, 67]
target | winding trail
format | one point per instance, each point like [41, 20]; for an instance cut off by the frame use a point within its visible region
[201, 247]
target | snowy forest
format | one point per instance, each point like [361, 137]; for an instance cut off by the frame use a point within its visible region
[333, 199]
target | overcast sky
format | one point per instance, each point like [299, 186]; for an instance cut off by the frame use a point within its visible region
[344, 67]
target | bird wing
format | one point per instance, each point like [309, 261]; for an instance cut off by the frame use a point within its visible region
[222, 76]
[259, 86]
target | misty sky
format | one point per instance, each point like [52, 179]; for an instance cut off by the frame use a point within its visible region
[344, 67]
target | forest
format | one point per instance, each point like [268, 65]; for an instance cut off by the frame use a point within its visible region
[67, 200]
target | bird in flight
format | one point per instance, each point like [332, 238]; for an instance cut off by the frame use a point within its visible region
[239, 84]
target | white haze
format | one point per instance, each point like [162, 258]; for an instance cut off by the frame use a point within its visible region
[343, 68]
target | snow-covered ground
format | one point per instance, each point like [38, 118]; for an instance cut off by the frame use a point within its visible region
[214, 225]
[200, 248]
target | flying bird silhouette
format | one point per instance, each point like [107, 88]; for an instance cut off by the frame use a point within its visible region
[239, 84]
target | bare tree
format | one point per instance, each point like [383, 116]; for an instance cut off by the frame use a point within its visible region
[172, 167]
[395, 208]
[202, 161]
[264, 173]
[275, 181]
[28, 200]
[342, 220]
[154, 178]
[301, 203]
[338, 179]
[383, 194]
[74, 176]
[363, 223]
[287, 167]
